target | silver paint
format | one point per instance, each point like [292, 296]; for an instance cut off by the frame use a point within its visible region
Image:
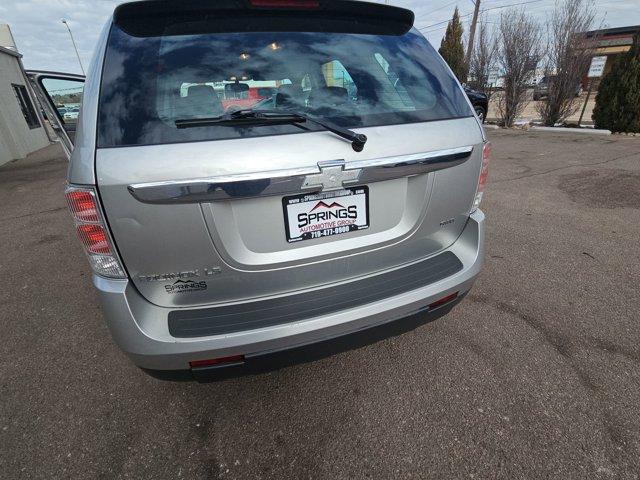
[410, 193]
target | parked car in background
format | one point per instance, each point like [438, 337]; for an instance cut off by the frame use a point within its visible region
[480, 102]
[225, 239]
[541, 90]
[71, 113]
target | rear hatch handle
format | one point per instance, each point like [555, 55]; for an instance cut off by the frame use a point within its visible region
[326, 176]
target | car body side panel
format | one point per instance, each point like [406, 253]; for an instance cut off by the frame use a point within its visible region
[82, 166]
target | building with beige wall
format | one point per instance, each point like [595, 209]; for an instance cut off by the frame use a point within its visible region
[21, 125]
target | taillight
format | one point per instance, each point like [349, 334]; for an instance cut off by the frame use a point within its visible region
[482, 179]
[92, 232]
[94, 239]
[82, 205]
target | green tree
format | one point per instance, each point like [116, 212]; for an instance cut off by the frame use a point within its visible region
[618, 100]
[451, 47]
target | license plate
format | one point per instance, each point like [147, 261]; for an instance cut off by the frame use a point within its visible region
[326, 214]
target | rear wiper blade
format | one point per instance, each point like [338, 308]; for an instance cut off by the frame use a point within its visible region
[240, 117]
[274, 117]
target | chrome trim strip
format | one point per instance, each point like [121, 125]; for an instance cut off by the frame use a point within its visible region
[427, 157]
[328, 175]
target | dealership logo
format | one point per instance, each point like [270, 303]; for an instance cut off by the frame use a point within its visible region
[325, 212]
[184, 286]
[321, 204]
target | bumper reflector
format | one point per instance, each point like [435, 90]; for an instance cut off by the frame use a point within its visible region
[217, 361]
[443, 300]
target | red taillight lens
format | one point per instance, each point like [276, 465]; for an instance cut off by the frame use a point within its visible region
[83, 205]
[285, 3]
[92, 232]
[217, 361]
[94, 238]
[482, 179]
[484, 172]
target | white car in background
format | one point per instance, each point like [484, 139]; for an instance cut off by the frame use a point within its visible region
[71, 113]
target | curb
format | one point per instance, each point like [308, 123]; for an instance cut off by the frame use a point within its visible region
[588, 131]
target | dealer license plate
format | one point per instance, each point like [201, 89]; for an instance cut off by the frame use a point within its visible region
[326, 214]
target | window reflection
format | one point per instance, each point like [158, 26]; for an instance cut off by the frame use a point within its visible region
[354, 80]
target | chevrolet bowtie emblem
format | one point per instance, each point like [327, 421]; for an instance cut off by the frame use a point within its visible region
[332, 176]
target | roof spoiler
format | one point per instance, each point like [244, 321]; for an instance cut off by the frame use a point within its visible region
[150, 18]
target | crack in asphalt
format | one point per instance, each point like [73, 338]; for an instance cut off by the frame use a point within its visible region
[558, 342]
[563, 346]
[33, 214]
[604, 162]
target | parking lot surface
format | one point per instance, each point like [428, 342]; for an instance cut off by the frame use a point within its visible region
[535, 375]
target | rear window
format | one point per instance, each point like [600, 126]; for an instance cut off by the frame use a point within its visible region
[355, 80]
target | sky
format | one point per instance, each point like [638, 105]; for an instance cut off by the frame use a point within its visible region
[44, 41]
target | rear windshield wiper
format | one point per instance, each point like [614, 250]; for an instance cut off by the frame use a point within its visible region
[273, 117]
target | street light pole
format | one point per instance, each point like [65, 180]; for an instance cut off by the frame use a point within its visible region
[74, 45]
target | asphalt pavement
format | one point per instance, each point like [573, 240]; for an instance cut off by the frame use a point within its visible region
[536, 374]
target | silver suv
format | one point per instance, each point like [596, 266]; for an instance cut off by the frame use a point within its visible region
[260, 182]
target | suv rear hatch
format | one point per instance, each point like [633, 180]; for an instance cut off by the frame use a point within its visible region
[223, 210]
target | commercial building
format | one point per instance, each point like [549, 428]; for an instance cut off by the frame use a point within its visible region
[21, 123]
[612, 42]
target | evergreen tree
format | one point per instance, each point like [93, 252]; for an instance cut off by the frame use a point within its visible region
[451, 47]
[618, 100]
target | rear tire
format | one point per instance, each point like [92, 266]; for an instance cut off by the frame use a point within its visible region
[481, 113]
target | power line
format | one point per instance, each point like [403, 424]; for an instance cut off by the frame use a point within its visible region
[511, 5]
[481, 11]
[439, 8]
[72, 89]
[466, 21]
[444, 21]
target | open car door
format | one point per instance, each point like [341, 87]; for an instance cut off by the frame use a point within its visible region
[60, 95]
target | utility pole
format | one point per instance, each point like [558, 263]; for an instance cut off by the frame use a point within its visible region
[472, 32]
[74, 45]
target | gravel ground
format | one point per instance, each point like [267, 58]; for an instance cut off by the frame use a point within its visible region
[535, 375]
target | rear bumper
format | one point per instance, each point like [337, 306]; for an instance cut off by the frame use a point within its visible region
[141, 328]
[267, 361]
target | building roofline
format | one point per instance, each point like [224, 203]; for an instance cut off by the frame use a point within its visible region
[631, 29]
[8, 51]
